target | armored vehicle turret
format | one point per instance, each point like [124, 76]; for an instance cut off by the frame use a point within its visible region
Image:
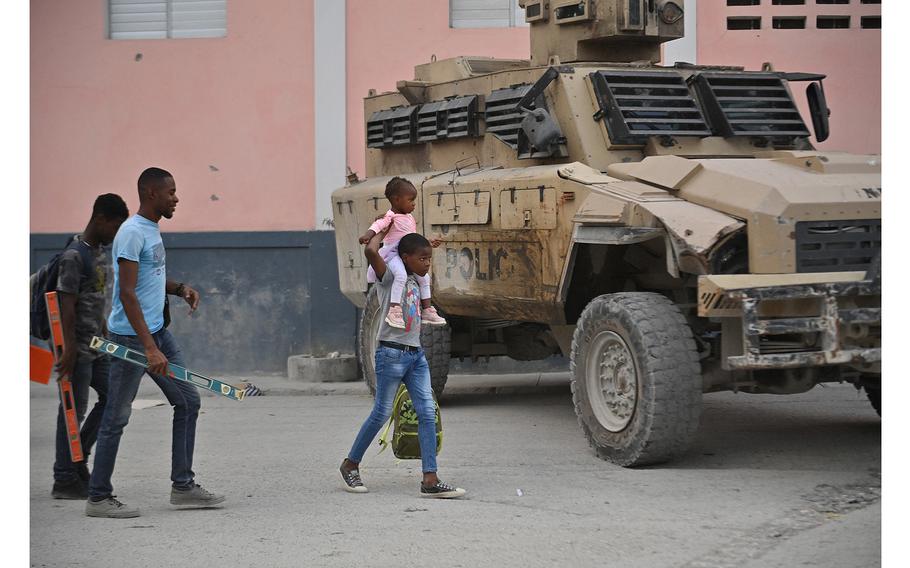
[669, 230]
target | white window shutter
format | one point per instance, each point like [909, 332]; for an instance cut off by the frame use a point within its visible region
[485, 14]
[148, 19]
[198, 18]
[138, 19]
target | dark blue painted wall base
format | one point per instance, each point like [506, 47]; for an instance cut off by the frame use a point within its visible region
[265, 296]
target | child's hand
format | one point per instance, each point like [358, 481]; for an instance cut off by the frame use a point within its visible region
[374, 239]
[365, 238]
[435, 242]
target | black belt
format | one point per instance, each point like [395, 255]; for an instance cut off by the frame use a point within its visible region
[399, 346]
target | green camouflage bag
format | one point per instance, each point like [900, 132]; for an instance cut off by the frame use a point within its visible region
[405, 445]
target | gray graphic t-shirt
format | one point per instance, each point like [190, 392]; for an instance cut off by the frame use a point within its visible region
[410, 309]
[90, 294]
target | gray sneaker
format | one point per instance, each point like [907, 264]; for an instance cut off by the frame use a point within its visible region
[195, 496]
[352, 481]
[110, 508]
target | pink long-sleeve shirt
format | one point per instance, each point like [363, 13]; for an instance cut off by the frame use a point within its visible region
[401, 225]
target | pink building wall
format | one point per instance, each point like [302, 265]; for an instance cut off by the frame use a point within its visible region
[851, 58]
[242, 104]
[386, 40]
[245, 103]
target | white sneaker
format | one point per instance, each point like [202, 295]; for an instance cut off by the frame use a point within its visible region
[430, 316]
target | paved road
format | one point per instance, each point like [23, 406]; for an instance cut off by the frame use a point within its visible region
[770, 482]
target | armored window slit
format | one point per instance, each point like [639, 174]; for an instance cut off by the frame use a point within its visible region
[392, 127]
[503, 119]
[452, 118]
[639, 104]
[749, 104]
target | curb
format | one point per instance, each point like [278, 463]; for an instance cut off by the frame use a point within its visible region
[449, 391]
[457, 385]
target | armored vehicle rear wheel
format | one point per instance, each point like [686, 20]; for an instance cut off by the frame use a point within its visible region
[636, 379]
[875, 397]
[436, 342]
[874, 393]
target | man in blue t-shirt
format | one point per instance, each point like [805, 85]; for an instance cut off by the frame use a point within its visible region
[137, 321]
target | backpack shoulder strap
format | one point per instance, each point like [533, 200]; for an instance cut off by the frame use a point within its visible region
[88, 258]
[384, 438]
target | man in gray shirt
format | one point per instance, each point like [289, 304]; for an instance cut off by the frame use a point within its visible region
[82, 294]
[399, 358]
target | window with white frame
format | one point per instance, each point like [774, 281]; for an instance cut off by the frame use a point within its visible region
[485, 14]
[166, 19]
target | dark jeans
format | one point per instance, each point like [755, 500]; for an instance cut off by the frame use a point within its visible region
[124, 384]
[87, 373]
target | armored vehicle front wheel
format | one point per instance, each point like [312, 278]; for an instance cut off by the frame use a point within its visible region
[436, 342]
[636, 379]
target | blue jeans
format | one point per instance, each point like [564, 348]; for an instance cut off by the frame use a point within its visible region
[87, 373]
[123, 386]
[393, 367]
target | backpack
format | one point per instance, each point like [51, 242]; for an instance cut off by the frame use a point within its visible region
[405, 445]
[45, 280]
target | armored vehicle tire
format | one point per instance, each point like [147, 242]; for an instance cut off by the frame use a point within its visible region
[875, 397]
[436, 342]
[636, 379]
